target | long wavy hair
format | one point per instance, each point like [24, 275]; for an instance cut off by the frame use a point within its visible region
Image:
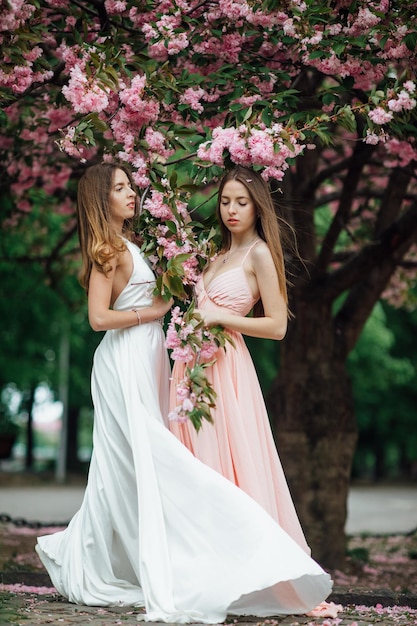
[99, 241]
[267, 224]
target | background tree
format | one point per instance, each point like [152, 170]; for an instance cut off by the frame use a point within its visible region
[319, 96]
[384, 373]
[41, 299]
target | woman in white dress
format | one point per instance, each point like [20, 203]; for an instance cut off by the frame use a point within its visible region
[157, 528]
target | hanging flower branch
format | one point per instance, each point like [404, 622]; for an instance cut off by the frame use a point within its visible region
[178, 248]
[193, 344]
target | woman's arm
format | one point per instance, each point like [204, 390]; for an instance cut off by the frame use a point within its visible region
[102, 317]
[274, 323]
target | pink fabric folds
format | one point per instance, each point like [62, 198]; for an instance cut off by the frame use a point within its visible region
[239, 444]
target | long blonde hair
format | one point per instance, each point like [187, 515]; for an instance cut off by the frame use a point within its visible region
[99, 241]
[267, 225]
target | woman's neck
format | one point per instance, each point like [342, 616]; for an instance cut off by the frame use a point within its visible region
[237, 241]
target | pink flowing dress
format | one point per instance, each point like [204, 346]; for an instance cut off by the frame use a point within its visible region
[239, 444]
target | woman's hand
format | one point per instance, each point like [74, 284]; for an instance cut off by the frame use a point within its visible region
[161, 307]
[210, 318]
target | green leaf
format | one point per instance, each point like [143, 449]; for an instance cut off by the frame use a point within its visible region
[174, 284]
[339, 47]
[319, 54]
[411, 41]
[172, 227]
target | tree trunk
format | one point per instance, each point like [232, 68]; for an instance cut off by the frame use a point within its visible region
[311, 409]
[73, 463]
[380, 469]
[64, 366]
[29, 430]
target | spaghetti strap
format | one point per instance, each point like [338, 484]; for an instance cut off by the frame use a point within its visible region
[254, 244]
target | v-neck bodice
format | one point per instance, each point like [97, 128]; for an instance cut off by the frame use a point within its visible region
[229, 290]
[138, 292]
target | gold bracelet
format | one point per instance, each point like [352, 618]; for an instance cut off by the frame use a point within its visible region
[138, 316]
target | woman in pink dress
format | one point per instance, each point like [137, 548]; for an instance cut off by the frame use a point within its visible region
[247, 274]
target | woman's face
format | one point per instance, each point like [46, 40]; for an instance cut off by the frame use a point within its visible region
[122, 199]
[237, 209]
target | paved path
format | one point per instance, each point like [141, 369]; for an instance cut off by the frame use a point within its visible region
[372, 509]
[382, 510]
[30, 610]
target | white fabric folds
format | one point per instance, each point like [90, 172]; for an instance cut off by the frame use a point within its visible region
[157, 528]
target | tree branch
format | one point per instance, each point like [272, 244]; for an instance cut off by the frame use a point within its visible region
[376, 253]
[369, 272]
[358, 160]
[392, 199]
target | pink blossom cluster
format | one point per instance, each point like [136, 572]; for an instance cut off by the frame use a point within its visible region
[13, 14]
[113, 7]
[71, 55]
[173, 244]
[131, 96]
[177, 238]
[34, 166]
[380, 116]
[234, 10]
[227, 49]
[373, 138]
[187, 401]
[191, 268]
[85, 93]
[188, 340]
[399, 153]
[138, 110]
[157, 206]
[404, 101]
[165, 37]
[178, 337]
[309, 38]
[192, 97]
[195, 346]
[21, 77]
[362, 22]
[157, 143]
[364, 72]
[140, 174]
[398, 102]
[28, 177]
[268, 147]
[58, 118]
[69, 144]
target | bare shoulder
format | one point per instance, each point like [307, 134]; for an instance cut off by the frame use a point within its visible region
[261, 253]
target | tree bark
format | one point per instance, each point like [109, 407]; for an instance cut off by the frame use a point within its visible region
[314, 424]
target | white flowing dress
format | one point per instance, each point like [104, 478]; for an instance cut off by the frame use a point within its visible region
[157, 528]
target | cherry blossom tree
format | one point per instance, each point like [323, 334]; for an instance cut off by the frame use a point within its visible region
[319, 96]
